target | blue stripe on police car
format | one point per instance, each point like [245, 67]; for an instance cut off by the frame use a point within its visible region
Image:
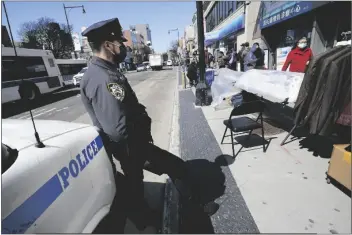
[33, 207]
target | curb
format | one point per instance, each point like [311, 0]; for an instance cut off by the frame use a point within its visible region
[170, 222]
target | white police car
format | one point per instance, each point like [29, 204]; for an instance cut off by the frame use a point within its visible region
[66, 187]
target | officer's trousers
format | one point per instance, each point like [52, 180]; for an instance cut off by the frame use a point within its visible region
[133, 157]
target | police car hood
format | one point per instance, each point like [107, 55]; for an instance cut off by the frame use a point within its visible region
[19, 134]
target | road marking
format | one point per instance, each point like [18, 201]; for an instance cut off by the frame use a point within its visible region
[28, 115]
[39, 114]
[79, 95]
[61, 109]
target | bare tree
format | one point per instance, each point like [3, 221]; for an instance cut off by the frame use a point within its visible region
[47, 34]
[173, 49]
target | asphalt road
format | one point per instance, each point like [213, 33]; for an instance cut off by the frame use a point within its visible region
[65, 104]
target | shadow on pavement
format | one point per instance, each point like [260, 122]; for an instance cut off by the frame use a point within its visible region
[117, 222]
[17, 107]
[208, 184]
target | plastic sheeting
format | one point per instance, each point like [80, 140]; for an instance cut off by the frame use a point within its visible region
[223, 88]
[272, 85]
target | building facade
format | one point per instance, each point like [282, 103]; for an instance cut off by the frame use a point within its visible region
[224, 24]
[144, 30]
[189, 37]
[282, 24]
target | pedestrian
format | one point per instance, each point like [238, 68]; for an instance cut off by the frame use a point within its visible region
[242, 54]
[233, 60]
[254, 59]
[260, 55]
[211, 60]
[299, 57]
[122, 121]
[192, 73]
[221, 60]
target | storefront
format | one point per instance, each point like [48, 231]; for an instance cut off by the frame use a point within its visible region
[224, 21]
[225, 38]
[284, 23]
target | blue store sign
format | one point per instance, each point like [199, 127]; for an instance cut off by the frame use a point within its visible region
[277, 13]
[235, 25]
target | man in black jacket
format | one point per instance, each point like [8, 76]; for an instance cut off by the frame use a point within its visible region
[260, 55]
[192, 73]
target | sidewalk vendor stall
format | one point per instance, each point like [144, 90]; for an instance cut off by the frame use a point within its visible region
[318, 101]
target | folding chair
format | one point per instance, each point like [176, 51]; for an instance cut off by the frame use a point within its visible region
[244, 124]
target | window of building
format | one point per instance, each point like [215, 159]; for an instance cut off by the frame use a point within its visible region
[219, 12]
[226, 9]
[230, 8]
[222, 15]
[239, 4]
[216, 15]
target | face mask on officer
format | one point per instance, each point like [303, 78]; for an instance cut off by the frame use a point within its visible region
[117, 57]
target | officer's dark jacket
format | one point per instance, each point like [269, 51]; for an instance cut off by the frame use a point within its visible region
[109, 99]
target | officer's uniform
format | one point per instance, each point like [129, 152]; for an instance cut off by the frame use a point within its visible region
[114, 109]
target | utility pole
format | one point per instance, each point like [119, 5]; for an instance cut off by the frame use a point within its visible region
[68, 24]
[201, 88]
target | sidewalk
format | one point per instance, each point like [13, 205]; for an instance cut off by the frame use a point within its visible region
[281, 191]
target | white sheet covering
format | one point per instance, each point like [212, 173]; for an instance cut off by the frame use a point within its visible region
[223, 88]
[272, 85]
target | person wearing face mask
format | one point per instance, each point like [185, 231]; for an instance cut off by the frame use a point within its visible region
[123, 122]
[298, 58]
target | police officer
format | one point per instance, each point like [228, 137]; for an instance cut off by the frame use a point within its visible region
[123, 122]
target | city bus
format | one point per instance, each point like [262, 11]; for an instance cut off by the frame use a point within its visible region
[33, 67]
[69, 68]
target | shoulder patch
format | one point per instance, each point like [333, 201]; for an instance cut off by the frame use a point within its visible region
[116, 90]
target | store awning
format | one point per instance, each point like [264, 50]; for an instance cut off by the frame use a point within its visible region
[232, 27]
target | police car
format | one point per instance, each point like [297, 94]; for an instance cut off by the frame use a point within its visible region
[66, 187]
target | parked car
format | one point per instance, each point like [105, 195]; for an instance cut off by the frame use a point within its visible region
[67, 186]
[146, 64]
[169, 63]
[141, 67]
[78, 77]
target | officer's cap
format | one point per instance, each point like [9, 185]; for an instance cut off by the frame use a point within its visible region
[105, 30]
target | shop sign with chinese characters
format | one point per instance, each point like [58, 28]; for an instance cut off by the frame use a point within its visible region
[286, 12]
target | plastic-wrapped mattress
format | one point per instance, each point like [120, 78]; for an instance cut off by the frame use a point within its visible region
[272, 85]
[223, 88]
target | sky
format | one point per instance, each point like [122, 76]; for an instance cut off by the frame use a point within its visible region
[161, 16]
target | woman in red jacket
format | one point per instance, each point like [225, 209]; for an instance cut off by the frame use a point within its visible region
[299, 57]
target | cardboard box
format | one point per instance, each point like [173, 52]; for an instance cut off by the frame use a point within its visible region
[340, 165]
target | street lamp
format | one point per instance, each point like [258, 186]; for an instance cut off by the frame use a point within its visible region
[68, 24]
[178, 39]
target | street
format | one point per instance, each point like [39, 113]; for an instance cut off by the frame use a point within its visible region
[154, 89]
